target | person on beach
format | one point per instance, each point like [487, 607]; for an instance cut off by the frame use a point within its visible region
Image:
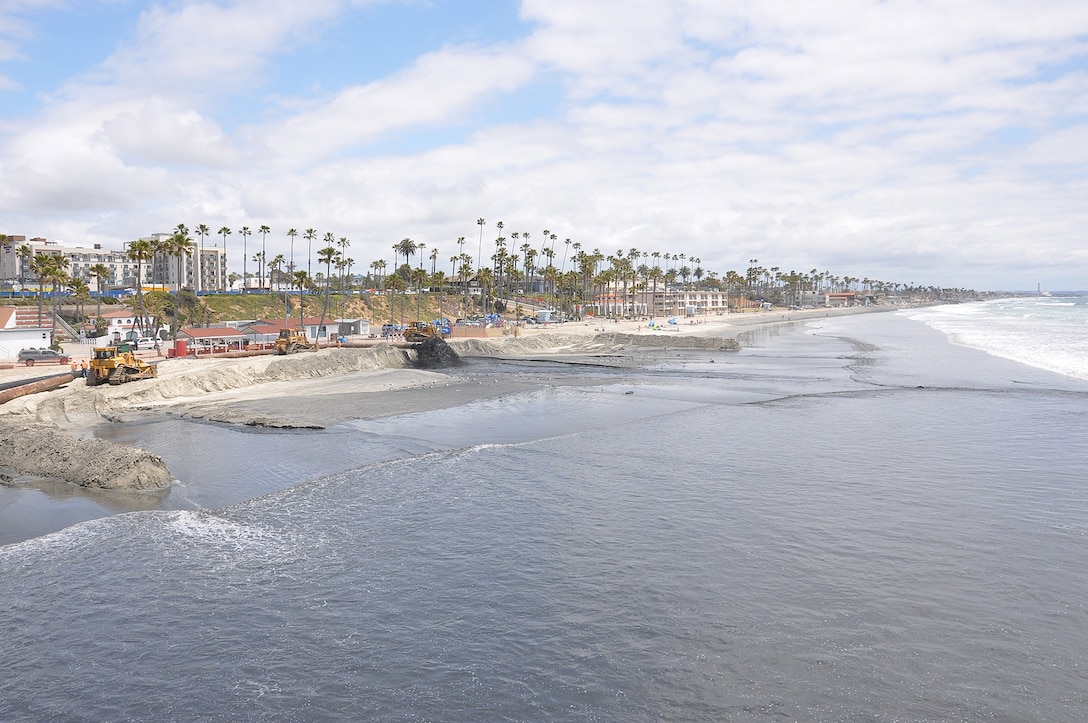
[83, 369]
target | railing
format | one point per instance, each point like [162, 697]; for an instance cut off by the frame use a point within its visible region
[64, 326]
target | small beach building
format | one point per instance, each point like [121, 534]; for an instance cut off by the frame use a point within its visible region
[22, 328]
[127, 324]
[260, 332]
[316, 328]
[216, 338]
[840, 298]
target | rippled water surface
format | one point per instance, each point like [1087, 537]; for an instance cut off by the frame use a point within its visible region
[822, 527]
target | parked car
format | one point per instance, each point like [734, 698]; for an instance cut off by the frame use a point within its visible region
[145, 342]
[30, 357]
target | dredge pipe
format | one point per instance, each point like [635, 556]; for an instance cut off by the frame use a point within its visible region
[39, 385]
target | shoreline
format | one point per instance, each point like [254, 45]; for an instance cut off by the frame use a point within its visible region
[50, 431]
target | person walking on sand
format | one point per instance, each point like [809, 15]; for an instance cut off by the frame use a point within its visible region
[83, 369]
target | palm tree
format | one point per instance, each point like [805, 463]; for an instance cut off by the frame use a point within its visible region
[480, 247]
[258, 258]
[158, 247]
[202, 230]
[291, 234]
[418, 276]
[302, 280]
[140, 251]
[170, 249]
[499, 257]
[406, 247]
[377, 267]
[58, 276]
[26, 257]
[181, 246]
[342, 245]
[224, 232]
[245, 275]
[54, 269]
[394, 283]
[40, 266]
[99, 272]
[461, 271]
[549, 253]
[327, 255]
[310, 235]
[264, 231]
[484, 278]
[276, 264]
[81, 291]
[341, 264]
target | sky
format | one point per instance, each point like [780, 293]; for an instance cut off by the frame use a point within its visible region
[909, 141]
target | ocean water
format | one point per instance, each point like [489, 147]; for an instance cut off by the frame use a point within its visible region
[1045, 332]
[878, 517]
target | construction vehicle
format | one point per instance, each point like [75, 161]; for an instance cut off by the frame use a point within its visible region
[117, 365]
[420, 331]
[292, 340]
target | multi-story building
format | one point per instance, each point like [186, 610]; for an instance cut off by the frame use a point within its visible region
[665, 302]
[204, 270]
[16, 268]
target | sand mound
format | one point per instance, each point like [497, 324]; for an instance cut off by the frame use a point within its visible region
[619, 342]
[184, 379]
[43, 451]
[515, 346]
[181, 380]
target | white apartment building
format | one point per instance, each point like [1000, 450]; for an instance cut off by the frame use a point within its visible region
[205, 270]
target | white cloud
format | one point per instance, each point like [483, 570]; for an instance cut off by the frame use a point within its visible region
[901, 140]
[205, 47]
[436, 89]
[152, 133]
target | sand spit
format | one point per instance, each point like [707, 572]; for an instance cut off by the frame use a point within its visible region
[44, 451]
[615, 343]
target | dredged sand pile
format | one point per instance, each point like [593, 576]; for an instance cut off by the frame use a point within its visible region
[43, 451]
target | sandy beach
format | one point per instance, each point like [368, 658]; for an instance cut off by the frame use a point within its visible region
[47, 434]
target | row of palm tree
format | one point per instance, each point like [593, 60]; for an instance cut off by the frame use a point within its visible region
[518, 267]
[283, 269]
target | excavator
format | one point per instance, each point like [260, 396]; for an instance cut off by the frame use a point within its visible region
[117, 365]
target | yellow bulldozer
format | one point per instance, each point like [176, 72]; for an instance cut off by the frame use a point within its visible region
[419, 331]
[117, 365]
[293, 340]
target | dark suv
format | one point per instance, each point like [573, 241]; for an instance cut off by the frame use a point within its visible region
[30, 357]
